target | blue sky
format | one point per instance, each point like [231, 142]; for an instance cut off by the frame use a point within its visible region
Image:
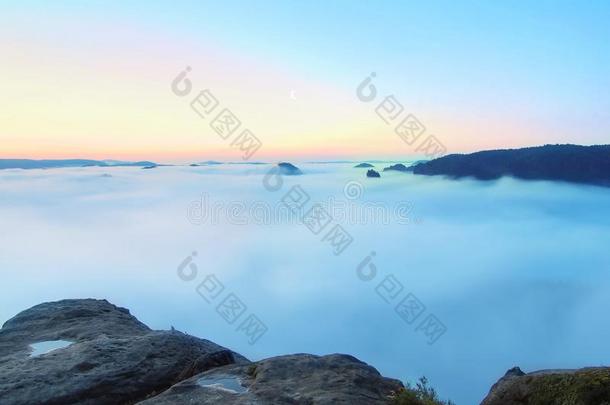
[480, 74]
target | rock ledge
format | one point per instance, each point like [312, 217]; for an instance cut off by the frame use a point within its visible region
[112, 358]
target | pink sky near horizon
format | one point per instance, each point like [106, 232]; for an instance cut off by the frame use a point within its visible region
[81, 88]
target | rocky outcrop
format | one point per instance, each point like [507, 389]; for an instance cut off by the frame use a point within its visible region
[294, 379]
[372, 173]
[570, 163]
[398, 167]
[104, 355]
[288, 169]
[113, 358]
[586, 386]
[107, 356]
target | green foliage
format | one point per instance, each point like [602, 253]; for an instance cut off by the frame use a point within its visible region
[421, 394]
[251, 371]
[581, 388]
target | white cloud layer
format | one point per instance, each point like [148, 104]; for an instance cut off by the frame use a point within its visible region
[517, 271]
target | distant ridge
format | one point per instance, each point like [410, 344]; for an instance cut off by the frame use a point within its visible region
[59, 163]
[570, 163]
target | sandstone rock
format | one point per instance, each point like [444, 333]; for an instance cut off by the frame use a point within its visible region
[372, 173]
[294, 379]
[288, 169]
[113, 358]
[398, 167]
[586, 386]
[70, 320]
[106, 356]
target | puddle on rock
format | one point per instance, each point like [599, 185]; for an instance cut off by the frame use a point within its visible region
[223, 382]
[40, 348]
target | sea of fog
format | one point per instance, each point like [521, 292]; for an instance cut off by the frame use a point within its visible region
[513, 272]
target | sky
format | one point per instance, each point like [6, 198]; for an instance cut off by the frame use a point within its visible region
[92, 79]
